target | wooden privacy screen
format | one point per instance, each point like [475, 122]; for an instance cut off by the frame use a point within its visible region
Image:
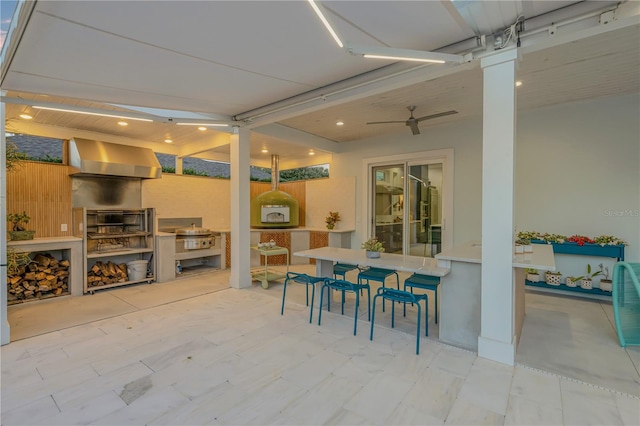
[43, 190]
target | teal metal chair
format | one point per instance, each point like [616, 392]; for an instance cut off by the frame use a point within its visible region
[345, 286]
[340, 270]
[308, 281]
[424, 282]
[626, 302]
[405, 297]
[379, 275]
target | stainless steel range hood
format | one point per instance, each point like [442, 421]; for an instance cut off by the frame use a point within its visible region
[96, 158]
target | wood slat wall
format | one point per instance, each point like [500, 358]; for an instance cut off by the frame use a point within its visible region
[43, 190]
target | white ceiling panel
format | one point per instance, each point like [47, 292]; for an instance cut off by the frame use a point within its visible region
[400, 24]
[230, 57]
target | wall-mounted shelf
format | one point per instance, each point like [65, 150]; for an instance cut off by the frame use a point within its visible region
[564, 289]
[616, 252]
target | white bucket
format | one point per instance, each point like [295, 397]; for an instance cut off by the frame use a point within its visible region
[137, 269]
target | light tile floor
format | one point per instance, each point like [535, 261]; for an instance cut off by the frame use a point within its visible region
[197, 352]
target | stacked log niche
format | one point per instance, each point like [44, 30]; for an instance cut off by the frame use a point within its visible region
[43, 277]
[102, 274]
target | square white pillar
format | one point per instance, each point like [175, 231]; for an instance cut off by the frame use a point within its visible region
[240, 276]
[5, 336]
[496, 340]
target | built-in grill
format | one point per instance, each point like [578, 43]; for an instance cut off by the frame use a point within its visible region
[193, 238]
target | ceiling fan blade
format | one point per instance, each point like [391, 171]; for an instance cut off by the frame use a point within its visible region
[414, 126]
[384, 122]
[440, 114]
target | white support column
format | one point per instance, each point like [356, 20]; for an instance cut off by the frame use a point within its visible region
[178, 165]
[496, 340]
[5, 336]
[240, 204]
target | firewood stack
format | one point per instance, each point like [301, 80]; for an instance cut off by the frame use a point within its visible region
[106, 273]
[44, 277]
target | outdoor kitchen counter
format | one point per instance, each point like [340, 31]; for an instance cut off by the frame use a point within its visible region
[71, 245]
[461, 290]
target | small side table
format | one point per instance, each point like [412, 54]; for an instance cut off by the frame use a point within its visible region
[267, 275]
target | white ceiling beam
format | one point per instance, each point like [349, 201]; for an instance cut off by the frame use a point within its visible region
[84, 110]
[217, 140]
[350, 90]
[580, 27]
[298, 137]
[57, 132]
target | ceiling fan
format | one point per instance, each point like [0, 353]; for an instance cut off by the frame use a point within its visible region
[413, 121]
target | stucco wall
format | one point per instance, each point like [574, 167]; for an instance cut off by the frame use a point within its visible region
[577, 166]
[189, 196]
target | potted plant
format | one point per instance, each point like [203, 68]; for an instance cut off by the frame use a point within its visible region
[608, 240]
[533, 275]
[18, 222]
[332, 219]
[580, 240]
[553, 277]
[573, 281]
[526, 245]
[373, 247]
[552, 238]
[16, 259]
[587, 280]
[14, 158]
[605, 283]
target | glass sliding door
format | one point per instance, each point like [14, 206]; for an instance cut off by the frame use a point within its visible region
[425, 209]
[388, 195]
[409, 201]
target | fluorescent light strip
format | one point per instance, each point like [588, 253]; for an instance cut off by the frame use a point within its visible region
[401, 58]
[325, 22]
[91, 113]
[203, 124]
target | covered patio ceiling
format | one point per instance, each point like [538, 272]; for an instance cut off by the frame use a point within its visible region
[272, 66]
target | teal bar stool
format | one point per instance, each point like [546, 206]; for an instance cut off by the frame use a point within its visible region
[425, 282]
[340, 270]
[308, 281]
[405, 297]
[345, 286]
[379, 275]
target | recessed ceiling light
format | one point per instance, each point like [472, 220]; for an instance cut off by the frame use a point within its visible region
[26, 116]
[340, 123]
[122, 123]
[518, 83]
[265, 150]
[202, 128]
[168, 140]
[312, 153]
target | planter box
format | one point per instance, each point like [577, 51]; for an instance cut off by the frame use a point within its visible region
[570, 283]
[553, 279]
[534, 278]
[587, 249]
[606, 285]
[21, 235]
[586, 284]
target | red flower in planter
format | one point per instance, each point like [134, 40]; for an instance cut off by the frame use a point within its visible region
[580, 240]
